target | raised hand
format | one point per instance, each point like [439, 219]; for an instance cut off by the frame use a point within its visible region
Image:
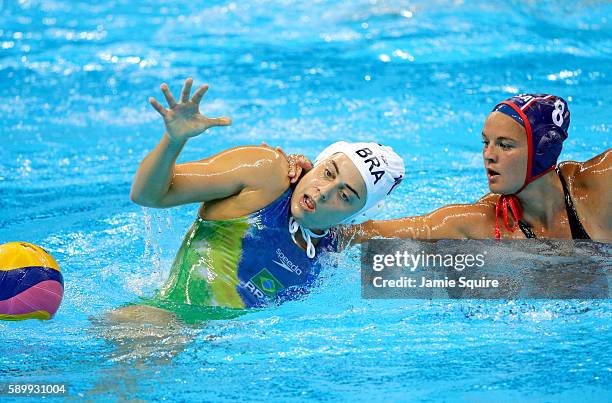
[184, 120]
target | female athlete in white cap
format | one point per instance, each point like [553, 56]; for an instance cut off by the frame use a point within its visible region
[256, 237]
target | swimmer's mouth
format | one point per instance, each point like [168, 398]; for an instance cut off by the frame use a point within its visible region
[491, 174]
[307, 203]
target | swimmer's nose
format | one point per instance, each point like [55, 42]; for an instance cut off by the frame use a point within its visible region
[489, 154]
[325, 191]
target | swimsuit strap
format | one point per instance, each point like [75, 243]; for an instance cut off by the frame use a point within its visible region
[526, 230]
[578, 231]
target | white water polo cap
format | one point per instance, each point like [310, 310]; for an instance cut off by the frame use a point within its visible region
[380, 167]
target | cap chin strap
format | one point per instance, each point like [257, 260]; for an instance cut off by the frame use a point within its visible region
[511, 203]
[306, 234]
[505, 204]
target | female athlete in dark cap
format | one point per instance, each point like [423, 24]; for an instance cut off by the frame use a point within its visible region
[531, 195]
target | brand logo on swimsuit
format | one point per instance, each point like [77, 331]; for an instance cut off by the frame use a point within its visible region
[374, 163]
[267, 283]
[287, 264]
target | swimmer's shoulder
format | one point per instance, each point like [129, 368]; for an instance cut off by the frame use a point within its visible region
[590, 173]
[588, 183]
[272, 168]
[265, 179]
[589, 177]
[485, 206]
[487, 201]
[263, 167]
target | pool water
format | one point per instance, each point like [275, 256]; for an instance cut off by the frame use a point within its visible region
[420, 76]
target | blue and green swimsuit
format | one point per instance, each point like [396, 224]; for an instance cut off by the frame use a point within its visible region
[244, 262]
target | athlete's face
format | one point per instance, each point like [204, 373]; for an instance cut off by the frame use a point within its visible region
[330, 193]
[505, 153]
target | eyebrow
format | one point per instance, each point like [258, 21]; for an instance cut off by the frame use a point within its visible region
[500, 138]
[346, 184]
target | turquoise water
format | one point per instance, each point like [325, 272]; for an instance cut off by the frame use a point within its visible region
[420, 76]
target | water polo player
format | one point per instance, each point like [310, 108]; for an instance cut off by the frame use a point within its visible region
[256, 237]
[531, 196]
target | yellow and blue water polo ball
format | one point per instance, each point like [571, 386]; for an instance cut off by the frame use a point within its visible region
[31, 283]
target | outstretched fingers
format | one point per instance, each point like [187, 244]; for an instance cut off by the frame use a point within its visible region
[223, 121]
[158, 107]
[186, 90]
[197, 97]
[168, 95]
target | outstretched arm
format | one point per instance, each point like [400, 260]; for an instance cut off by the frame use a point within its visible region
[456, 221]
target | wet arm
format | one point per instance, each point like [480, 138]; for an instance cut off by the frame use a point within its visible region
[596, 175]
[156, 183]
[154, 176]
[220, 176]
[448, 222]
